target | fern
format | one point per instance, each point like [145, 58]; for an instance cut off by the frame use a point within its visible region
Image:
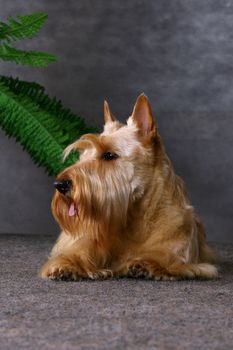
[35, 128]
[71, 124]
[40, 123]
[22, 28]
[30, 58]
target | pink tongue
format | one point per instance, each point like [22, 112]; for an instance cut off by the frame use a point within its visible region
[72, 210]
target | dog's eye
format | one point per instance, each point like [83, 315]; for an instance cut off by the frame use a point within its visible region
[109, 156]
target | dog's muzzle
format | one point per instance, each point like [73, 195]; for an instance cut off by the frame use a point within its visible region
[63, 186]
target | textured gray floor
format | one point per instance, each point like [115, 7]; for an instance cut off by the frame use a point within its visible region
[117, 314]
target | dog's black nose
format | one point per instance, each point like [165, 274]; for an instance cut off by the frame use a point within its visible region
[63, 186]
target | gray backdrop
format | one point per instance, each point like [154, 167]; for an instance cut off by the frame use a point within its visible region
[179, 52]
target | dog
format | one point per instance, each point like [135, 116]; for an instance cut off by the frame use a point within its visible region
[123, 211]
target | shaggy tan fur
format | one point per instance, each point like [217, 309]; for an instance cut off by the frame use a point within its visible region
[132, 214]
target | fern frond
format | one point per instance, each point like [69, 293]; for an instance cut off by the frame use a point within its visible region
[22, 27]
[70, 123]
[30, 58]
[38, 133]
[62, 126]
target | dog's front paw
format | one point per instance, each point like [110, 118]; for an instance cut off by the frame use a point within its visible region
[61, 268]
[59, 273]
[137, 270]
[149, 270]
[66, 268]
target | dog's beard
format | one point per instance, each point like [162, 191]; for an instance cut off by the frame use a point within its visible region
[97, 203]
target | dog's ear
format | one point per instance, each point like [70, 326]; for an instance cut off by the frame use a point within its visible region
[108, 117]
[142, 116]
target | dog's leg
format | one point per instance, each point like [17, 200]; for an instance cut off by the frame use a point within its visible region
[72, 267]
[72, 259]
[63, 267]
[191, 271]
[152, 269]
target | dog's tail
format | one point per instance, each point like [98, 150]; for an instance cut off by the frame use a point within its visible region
[191, 271]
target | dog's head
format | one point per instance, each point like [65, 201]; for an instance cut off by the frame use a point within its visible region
[113, 172]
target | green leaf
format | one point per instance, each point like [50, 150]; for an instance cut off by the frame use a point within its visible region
[30, 58]
[40, 123]
[69, 123]
[38, 134]
[22, 27]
